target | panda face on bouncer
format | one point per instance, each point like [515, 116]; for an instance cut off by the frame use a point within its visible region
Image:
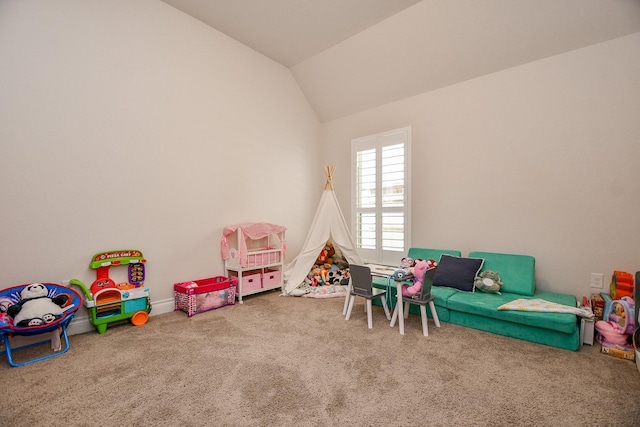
[36, 307]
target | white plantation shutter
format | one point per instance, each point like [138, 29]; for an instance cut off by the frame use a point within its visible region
[380, 203]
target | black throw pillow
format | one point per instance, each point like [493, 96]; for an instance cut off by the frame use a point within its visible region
[457, 272]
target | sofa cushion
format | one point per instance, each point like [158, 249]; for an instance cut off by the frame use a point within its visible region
[516, 271]
[442, 295]
[486, 305]
[457, 272]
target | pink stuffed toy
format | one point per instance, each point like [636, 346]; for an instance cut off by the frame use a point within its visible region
[418, 274]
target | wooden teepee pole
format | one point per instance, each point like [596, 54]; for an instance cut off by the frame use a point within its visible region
[328, 171]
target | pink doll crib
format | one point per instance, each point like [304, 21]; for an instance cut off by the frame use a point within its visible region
[56, 328]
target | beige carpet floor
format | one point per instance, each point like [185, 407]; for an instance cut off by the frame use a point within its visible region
[285, 361]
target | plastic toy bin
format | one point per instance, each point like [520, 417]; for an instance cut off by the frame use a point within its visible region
[251, 280]
[205, 294]
[270, 278]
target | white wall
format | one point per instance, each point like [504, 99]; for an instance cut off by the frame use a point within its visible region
[130, 125]
[540, 159]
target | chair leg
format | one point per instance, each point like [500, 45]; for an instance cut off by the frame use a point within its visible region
[352, 299]
[436, 320]
[383, 298]
[369, 316]
[56, 345]
[394, 317]
[423, 316]
[399, 306]
[347, 298]
[9, 351]
[406, 310]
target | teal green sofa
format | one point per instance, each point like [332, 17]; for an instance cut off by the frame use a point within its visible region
[479, 310]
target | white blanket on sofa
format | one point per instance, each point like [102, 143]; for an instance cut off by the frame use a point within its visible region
[541, 305]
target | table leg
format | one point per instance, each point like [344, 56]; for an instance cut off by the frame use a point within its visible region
[400, 307]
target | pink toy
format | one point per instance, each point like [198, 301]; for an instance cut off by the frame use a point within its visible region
[418, 273]
[619, 323]
[622, 313]
[205, 294]
[406, 263]
[609, 335]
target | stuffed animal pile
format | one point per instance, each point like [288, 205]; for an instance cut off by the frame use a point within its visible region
[420, 267]
[405, 272]
[325, 259]
[329, 269]
[322, 277]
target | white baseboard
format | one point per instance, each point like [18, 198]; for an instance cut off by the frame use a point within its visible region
[80, 325]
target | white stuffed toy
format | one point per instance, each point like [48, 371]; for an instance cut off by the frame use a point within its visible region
[36, 307]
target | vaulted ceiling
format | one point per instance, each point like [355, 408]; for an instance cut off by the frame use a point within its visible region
[352, 55]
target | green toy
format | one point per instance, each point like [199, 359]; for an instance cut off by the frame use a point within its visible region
[488, 281]
[108, 301]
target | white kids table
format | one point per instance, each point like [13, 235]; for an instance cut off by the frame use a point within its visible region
[379, 270]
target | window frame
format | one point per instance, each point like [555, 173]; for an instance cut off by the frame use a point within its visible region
[377, 142]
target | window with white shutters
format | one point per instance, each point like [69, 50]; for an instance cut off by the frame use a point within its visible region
[380, 203]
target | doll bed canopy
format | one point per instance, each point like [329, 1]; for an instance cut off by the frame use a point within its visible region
[328, 225]
[254, 231]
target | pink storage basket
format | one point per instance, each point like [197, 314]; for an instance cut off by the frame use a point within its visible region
[251, 280]
[205, 294]
[270, 278]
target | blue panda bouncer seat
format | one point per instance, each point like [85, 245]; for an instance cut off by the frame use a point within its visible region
[35, 309]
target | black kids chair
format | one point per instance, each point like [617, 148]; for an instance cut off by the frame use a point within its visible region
[422, 298]
[361, 286]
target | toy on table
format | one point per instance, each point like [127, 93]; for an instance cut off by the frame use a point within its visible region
[419, 269]
[108, 301]
[405, 272]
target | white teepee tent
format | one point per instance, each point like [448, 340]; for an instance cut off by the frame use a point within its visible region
[328, 224]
